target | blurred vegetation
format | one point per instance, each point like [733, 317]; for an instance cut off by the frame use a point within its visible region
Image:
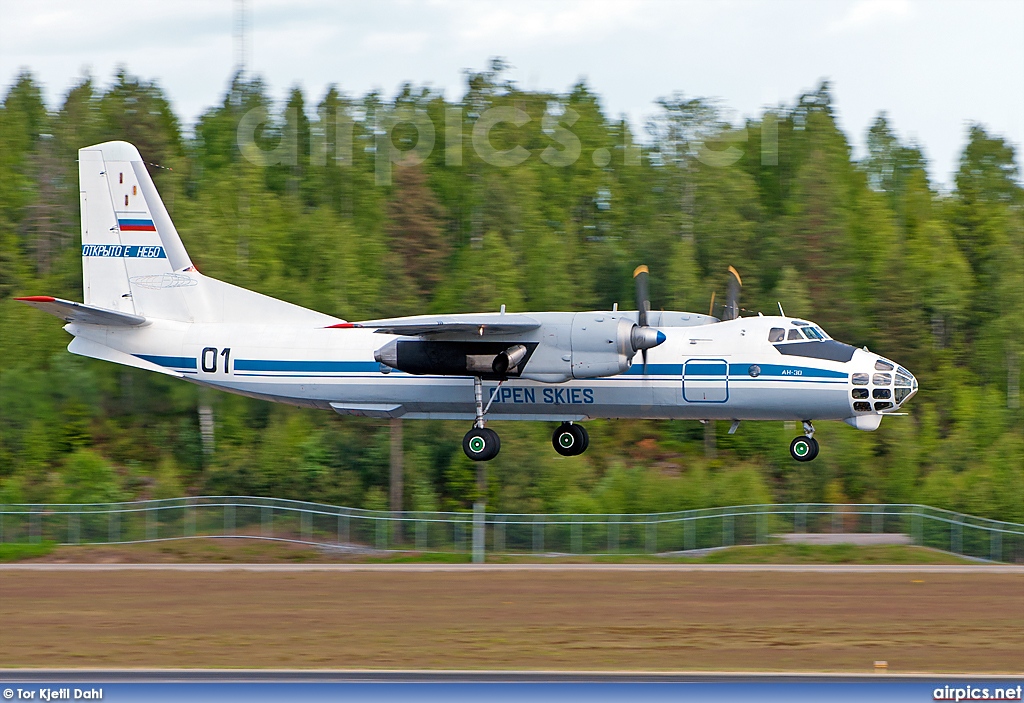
[871, 249]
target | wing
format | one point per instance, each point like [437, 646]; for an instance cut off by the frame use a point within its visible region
[472, 324]
[70, 311]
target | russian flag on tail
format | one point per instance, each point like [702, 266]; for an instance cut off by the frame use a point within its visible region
[135, 225]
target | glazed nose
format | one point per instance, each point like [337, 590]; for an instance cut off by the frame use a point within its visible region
[904, 385]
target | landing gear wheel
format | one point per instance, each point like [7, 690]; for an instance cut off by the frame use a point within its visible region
[570, 440]
[481, 444]
[804, 448]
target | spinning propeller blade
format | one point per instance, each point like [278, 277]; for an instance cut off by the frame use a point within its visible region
[732, 299]
[644, 337]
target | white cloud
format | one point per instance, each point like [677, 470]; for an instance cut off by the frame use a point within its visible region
[869, 13]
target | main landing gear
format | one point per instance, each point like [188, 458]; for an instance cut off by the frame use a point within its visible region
[570, 439]
[481, 443]
[805, 448]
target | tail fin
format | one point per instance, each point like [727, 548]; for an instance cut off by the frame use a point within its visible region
[133, 261]
[129, 244]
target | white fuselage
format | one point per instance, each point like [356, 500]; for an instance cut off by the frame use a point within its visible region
[726, 370]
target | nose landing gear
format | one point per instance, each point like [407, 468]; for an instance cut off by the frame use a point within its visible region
[804, 448]
[570, 439]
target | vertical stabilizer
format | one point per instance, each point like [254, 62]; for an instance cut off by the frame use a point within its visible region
[132, 258]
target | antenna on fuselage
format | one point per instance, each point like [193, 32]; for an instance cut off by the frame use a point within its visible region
[781, 311]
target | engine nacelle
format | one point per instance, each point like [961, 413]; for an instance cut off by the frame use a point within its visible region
[578, 345]
[601, 345]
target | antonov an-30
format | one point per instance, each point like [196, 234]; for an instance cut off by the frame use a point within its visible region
[148, 307]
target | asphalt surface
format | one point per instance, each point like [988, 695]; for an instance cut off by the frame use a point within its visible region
[437, 676]
[462, 568]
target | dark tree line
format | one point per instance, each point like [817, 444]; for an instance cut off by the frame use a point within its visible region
[871, 249]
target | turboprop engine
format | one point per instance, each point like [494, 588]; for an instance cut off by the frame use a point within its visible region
[573, 345]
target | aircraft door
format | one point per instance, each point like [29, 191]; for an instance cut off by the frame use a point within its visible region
[706, 381]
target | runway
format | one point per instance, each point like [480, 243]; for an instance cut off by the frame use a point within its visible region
[497, 568]
[95, 676]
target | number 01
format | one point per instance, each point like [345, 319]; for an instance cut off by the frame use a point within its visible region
[209, 359]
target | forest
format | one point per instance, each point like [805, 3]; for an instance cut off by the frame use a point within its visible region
[339, 205]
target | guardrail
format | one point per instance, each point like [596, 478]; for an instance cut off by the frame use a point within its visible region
[503, 533]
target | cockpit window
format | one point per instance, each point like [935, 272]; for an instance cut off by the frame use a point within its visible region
[881, 365]
[777, 334]
[882, 379]
[813, 333]
[794, 334]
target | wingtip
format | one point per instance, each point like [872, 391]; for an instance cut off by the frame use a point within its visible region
[37, 299]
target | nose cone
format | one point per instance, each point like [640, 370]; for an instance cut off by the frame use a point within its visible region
[645, 337]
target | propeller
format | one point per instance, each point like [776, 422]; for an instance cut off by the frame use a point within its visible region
[732, 296]
[643, 336]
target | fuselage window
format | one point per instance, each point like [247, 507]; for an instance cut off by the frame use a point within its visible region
[881, 394]
[777, 334]
[794, 334]
[882, 379]
[883, 405]
[860, 379]
[860, 393]
[883, 366]
[902, 380]
[862, 406]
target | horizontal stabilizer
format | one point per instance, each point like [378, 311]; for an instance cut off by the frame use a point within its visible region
[70, 311]
[95, 350]
[472, 324]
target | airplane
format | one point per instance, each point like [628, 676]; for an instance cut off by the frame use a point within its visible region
[146, 306]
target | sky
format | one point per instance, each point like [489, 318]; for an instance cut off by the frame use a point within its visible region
[933, 66]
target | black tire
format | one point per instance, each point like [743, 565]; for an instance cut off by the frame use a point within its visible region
[586, 438]
[481, 444]
[570, 440]
[803, 448]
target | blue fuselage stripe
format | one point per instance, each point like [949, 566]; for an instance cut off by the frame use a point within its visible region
[179, 362]
[306, 366]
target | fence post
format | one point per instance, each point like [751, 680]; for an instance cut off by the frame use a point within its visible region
[114, 527]
[150, 527]
[343, 528]
[762, 517]
[613, 534]
[499, 533]
[577, 536]
[538, 535]
[995, 540]
[479, 531]
[421, 528]
[801, 519]
[878, 518]
[652, 536]
[382, 533]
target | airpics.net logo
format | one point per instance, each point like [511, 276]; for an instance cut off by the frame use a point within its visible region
[977, 693]
[463, 131]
